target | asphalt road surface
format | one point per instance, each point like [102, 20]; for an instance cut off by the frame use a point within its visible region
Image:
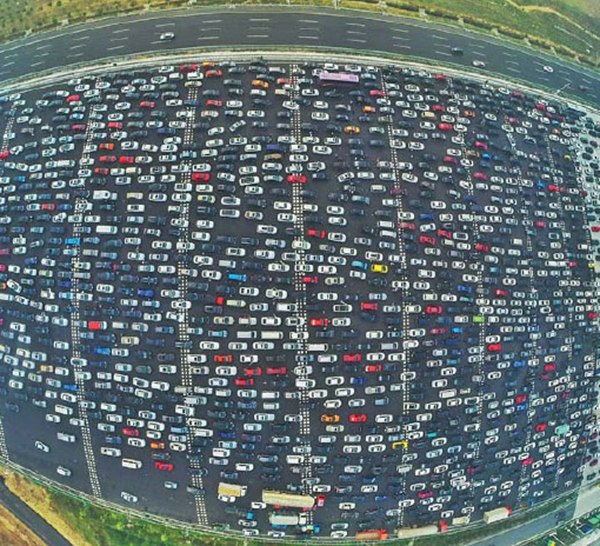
[34, 522]
[270, 27]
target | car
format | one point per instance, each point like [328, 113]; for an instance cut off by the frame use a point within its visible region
[547, 68]
[358, 418]
[166, 36]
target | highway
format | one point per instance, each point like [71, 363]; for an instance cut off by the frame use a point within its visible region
[31, 519]
[271, 27]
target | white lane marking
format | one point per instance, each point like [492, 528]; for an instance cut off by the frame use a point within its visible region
[79, 38]
[37, 64]
[8, 64]
[355, 24]
[157, 42]
[165, 25]
[121, 30]
[114, 47]
[11, 56]
[479, 53]
[119, 39]
[402, 30]
[478, 46]
[357, 40]
[402, 46]
[74, 55]
[258, 35]
[308, 21]
[440, 37]
[253, 20]
[77, 46]
[508, 54]
[43, 47]
[443, 53]
[309, 37]
[211, 21]
[208, 37]
[355, 32]
[403, 38]
[518, 71]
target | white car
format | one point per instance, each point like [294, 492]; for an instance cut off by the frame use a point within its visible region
[547, 68]
[164, 37]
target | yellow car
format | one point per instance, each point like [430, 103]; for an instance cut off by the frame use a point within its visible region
[379, 268]
[403, 443]
[260, 83]
[368, 109]
[352, 129]
[330, 418]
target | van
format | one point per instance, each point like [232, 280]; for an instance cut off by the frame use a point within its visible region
[249, 334]
[131, 463]
[107, 229]
[270, 395]
[271, 335]
[70, 438]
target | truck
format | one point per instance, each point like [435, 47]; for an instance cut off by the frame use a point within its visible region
[497, 514]
[411, 532]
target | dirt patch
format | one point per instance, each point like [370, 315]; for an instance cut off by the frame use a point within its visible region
[38, 499]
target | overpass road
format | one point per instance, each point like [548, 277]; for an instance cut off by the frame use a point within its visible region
[242, 27]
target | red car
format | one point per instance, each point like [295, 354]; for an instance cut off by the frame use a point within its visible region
[373, 368]
[319, 322]
[126, 160]
[520, 399]
[78, 127]
[128, 431]
[106, 146]
[406, 225]
[356, 357]
[320, 500]
[72, 98]
[440, 77]
[425, 494]
[445, 126]
[115, 125]
[376, 93]
[425, 240]
[450, 159]
[494, 347]
[243, 382]
[220, 300]
[501, 292]
[163, 466]
[223, 359]
[437, 331]
[310, 280]
[48, 206]
[445, 234]
[214, 103]
[527, 462]
[368, 306]
[438, 108]
[214, 73]
[549, 367]
[540, 224]
[96, 325]
[200, 177]
[433, 309]
[319, 233]
[282, 370]
[147, 104]
[358, 418]
[188, 67]
[108, 158]
[480, 176]
[249, 372]
[481, 145]
[553, 187]
[296, 178]
[541, 427]
[481, 247]
[4, 155]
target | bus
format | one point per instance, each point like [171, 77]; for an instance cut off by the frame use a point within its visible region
[338, 78]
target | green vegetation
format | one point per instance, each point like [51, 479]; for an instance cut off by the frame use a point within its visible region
[570, 27]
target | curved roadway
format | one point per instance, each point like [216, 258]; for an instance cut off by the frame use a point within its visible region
[291, 27]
